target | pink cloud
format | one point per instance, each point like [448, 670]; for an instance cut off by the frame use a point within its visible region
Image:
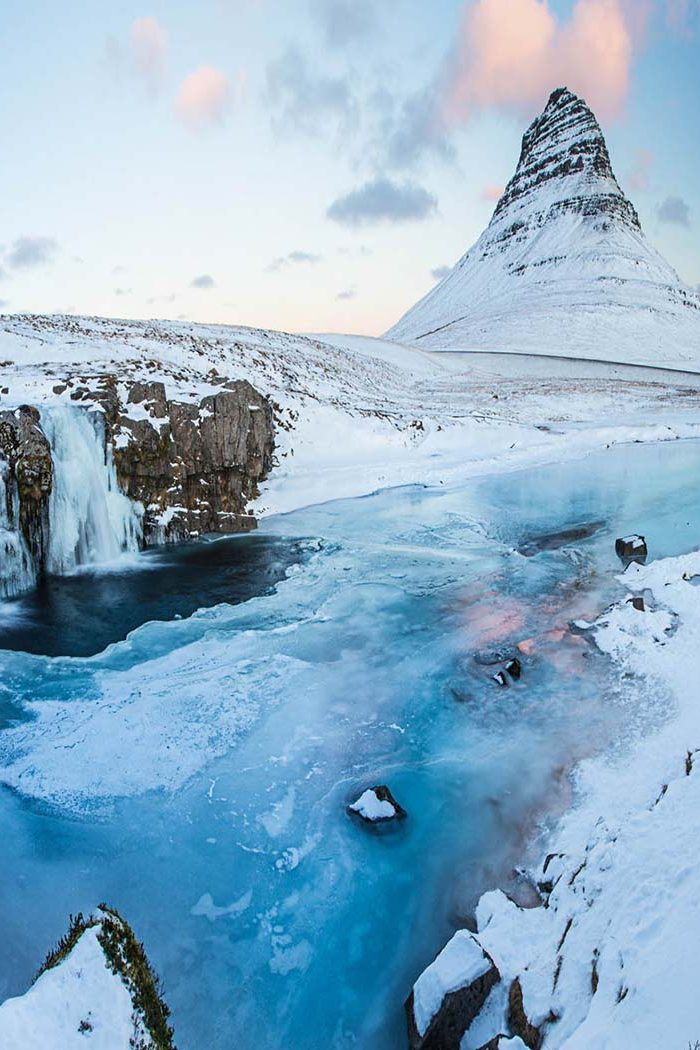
[492, 193]
[203, 97]
[512, 53]
[149, 47]
[639, 176]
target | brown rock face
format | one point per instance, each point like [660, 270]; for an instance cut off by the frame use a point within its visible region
[25, 448]
[518, 1019]
[194, 467]
[456, 1013]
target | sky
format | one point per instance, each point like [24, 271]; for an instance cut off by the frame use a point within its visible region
[311, 165]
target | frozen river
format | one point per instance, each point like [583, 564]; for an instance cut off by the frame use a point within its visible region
[195, 774]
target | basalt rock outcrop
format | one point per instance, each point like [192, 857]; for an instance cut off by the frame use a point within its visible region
[194, 467]
[27, 479]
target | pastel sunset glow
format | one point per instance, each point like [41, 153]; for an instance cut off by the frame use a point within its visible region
[146, 147]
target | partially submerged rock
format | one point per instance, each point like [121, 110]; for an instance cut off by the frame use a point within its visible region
[631, 548]
[552, 541]
[377, 805]
[449, 994]
[96, 987]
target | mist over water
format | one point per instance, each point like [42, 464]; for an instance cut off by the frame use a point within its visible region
[196, 774]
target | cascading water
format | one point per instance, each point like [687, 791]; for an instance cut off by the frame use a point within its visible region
[90, 520]
[17, 571]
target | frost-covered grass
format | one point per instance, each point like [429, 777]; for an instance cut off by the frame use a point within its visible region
[95, 989]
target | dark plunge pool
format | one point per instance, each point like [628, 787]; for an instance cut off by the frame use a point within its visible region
[81, 614]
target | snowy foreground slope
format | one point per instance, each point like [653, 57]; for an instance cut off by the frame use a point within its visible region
[564, 266]
[610, 960]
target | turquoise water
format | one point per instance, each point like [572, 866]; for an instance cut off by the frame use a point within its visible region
[195, 775]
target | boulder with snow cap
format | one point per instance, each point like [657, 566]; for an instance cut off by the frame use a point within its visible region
[376, 805]
[449, 994]
[631, 548]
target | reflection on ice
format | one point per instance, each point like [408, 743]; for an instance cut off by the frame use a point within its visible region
[216, 755]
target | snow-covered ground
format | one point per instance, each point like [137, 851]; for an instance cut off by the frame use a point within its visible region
[613, 954]
[355, 415]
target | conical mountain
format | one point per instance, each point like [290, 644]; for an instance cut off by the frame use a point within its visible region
[563, 267]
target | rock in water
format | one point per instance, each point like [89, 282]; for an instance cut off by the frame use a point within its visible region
[376, 805]
[449, 994]
[514, 668]
[563, 267]
[631, 548]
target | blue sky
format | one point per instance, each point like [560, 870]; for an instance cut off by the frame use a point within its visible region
[307, 164]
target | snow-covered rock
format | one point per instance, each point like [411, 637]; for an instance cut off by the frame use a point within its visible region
[630, 548]
[563, 267]
[96, 991]
[449, 994]
[377, 805]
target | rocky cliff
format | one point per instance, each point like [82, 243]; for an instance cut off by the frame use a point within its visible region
[194, 467]
[27, 481]
[187, 468]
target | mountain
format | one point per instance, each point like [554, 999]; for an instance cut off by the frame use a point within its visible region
[563, 266]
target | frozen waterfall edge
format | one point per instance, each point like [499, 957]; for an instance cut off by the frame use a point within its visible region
[60, 502]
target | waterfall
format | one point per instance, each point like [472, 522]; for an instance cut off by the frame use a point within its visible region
[17, 571]
[90, 520]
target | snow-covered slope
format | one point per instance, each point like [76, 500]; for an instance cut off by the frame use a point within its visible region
[564, 266]
[96, 991]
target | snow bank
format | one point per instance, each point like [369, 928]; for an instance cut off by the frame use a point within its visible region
[610, 961]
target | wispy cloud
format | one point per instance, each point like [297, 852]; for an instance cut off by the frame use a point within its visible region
[345, 21]
[639, 176]
[492, 193]
[148, 44]
[382, 200]
[347, 293]
[301, 98]
[203, 98]
[123, 291]
[291, 259]
[674, 210]
[440, 272]
[204, 280]
[28, 252]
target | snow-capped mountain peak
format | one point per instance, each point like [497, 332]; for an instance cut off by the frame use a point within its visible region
[563, 266]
